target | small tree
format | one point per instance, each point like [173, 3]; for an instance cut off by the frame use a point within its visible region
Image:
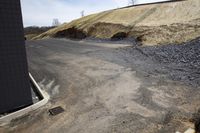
[131, 2]
[55, 22]
[82, 13]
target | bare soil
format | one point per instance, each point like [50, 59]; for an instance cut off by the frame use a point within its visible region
[107, 87]
[172, 22]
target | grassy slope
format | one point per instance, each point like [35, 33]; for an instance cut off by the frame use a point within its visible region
[30, 36]
[152, 24]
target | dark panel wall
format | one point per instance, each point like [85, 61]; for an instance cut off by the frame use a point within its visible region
[14, 81]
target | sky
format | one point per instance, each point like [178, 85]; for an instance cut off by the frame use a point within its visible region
[42, 12]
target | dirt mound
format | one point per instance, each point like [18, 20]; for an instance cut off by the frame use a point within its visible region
[174, 22]
[166, 34]
[106, 30]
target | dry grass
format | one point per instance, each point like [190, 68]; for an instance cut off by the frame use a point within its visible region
[30, 36]
[152, 24]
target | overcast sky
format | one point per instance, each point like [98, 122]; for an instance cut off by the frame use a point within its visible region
[42, 12]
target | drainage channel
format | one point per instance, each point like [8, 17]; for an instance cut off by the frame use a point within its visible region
[36, 96]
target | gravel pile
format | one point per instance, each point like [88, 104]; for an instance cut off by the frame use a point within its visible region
[178, 62]
[187, 53]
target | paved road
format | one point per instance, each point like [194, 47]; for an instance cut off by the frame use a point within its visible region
[103, 89]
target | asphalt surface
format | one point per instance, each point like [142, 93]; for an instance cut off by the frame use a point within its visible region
[105, 88]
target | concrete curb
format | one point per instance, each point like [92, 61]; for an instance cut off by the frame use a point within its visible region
[6, 119]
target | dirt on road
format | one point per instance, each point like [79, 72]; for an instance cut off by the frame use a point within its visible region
[106, 88]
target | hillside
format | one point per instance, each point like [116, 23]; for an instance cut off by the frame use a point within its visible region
[33, 31]
[166, 23]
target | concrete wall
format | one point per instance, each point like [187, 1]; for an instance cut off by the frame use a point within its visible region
[15, 90]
